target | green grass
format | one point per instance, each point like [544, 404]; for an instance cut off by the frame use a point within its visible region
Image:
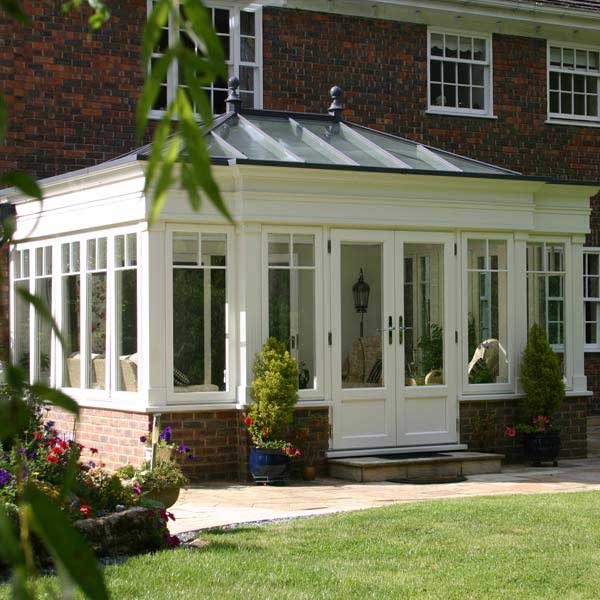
[510, 547]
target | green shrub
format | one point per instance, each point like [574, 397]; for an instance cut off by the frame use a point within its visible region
[165, 474]
[275, 393]
[541, 377]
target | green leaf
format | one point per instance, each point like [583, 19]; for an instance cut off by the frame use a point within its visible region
[23, 182]
[10, 548]
[13, 413]
[157, 19]
[66, 545]
[165, 177]
[15, 10]
[41, 306]
[55, 397]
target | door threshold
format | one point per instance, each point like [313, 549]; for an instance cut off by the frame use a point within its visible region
[394, 450]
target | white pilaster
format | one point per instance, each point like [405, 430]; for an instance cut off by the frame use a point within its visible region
[519, 282]
[577, 314]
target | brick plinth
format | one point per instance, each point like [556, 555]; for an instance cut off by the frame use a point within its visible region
[482, 426]
[116, 434]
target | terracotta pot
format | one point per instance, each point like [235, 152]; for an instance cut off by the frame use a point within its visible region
[309, 473]
[167, 496]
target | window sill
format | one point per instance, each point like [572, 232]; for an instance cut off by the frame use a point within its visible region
[504, 396]
[446, 113]
[573, 123]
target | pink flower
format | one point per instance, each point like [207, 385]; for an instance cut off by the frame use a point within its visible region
[510, 432]
[86, 510]
[137, 489]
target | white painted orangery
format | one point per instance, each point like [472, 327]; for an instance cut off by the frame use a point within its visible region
[403, 279]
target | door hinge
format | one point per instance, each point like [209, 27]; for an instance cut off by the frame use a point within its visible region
[455, 249]
[329, 338]
[455, 336]
[328, 246]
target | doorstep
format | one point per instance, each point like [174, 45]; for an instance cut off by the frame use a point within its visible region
[414, 467]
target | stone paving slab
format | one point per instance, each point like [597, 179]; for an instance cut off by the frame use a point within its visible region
[220, 504]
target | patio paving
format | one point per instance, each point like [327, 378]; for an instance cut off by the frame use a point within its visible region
[220, 504]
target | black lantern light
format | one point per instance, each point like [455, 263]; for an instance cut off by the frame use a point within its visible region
[360, 291]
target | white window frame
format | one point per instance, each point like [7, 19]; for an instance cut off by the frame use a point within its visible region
[229, 395]
[591, 299]
[234, 63]
[83, 395]
[488, 74]
[319, 391]
[488, 388]
[571, 119]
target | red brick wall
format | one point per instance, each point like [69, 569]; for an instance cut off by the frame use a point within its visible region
[116, 434]
[572, 420]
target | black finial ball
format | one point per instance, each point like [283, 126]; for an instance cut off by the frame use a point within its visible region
[336, 91]
[234, 83]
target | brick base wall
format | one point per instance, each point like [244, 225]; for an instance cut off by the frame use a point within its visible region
[592, 372]
[482, 425]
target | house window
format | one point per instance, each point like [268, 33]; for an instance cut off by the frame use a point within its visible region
[591, 298]
[460, 73]
[21, 272]
[43, 327]
[292, 300]
[126, 331]
[487, 318]
[96, 313]
[240, 34]
[71, 316]
[546, 291]
[199, 263]
[573, 83]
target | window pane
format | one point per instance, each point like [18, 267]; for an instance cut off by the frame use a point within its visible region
[451, 46]
[247, 49]
[477, 73]
[22, 312]
[437, 44]
[464, 73]
[71, 326]
[477, 254]
[465, 48]
[279, 249]
[214, 249]
[497, 252]
[591, 264]
[96, 359]
[479, 51]
[450, 95]
[554, 102]
[478, 98]
[304, 250]
[362, 358]
[555, 56]
[246, 23]
[487, 327]
[568, 57]
[436, 70]
[119, 251]
[449, 72]
[126, 324]
[131, 249]
[186, 247]
[43, 289]
[199, 332]
[535, 257]
[424, 314]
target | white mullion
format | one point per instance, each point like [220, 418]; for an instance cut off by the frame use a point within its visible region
[111, 360]
[84, 314]
[271, 143]
[33, 318]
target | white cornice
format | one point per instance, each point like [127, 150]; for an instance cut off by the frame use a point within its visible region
[497, 16]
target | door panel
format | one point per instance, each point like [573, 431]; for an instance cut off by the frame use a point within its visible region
[364, 351]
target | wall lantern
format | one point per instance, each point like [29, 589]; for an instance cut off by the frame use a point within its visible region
[360, 291]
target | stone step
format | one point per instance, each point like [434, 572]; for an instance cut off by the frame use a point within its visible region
[415, 467]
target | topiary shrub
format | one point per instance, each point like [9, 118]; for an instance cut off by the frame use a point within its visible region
[541, 378]
[275, 393]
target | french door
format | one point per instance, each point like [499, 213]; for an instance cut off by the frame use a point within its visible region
[393, 369]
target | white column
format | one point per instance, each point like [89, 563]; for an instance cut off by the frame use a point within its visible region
[577, 329]
[518, 280]
[153, 317]
[249, 282]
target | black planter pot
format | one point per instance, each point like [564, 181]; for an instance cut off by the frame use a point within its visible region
[542, 447]
[269, 465]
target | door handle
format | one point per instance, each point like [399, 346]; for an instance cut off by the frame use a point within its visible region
[390, 329]
[400, 330]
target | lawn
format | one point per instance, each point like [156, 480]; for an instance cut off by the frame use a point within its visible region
[537, 546]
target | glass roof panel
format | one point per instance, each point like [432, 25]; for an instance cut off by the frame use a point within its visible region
[470, 166]
[333, 134]
[238, 136]
[405, 151]
[292, 138]
[215, 149]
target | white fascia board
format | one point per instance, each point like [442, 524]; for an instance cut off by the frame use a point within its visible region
[498, 16]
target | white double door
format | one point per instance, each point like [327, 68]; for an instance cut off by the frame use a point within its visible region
[393, 339]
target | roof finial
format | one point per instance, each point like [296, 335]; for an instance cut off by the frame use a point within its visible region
[336, 108]
[233, 101]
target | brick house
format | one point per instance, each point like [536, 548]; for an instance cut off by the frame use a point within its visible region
[511, 84]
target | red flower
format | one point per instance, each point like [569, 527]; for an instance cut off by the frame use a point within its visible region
[101, 465]
[94, 450]
[248, 420]
[52, 458]
[510, 432]
[56, 450]
[290, 451]
[85, 510]
[37, 435]
[297, 453]
[542, 428]
[265, 431]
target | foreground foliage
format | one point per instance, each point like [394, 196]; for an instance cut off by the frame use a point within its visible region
[526, 547]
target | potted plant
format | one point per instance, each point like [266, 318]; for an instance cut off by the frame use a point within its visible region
[275, 393]
[542, 380]
[308, 439]
[161, 484]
